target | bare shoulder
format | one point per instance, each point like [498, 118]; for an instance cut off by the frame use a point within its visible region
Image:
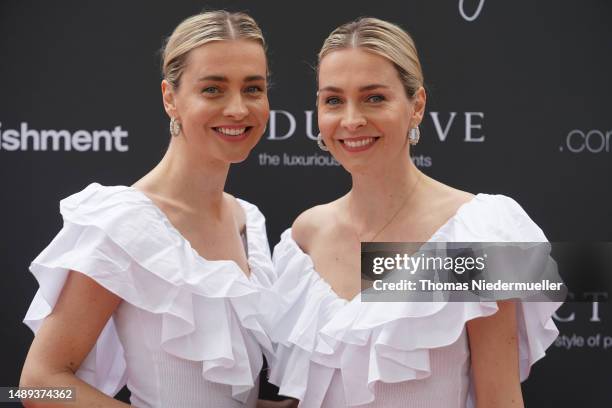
[456, 198]
[309, 224]
[447, 199]
[170, 207]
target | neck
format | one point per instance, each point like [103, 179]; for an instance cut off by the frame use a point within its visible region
[376, 197]
[194, 182]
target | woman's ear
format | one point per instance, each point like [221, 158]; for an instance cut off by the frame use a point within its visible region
[168, 98]
[420, 99]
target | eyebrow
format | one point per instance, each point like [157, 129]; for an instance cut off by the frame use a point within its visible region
[362, 89]
[221, 78]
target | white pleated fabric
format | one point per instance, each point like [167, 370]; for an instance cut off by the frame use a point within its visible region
[187, 333]
[333, 353]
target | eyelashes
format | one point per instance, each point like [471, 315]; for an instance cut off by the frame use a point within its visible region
[254, 89]
[374, 99]
[333, 100]
[211, 90]
[250, 90]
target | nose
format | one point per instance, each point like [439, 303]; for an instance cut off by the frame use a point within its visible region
[236, 108]
[353, 119]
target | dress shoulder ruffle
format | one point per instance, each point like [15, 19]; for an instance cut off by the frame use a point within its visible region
[120, 239]
[317, 332]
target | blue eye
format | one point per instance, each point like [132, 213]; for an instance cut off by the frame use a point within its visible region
[253, 89]
[211, 90]
[332, 100]
[375, 98]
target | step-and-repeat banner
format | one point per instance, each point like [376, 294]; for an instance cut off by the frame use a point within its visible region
[518, 104]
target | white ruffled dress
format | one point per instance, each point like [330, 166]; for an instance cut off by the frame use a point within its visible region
[187, 333]
[337, 353]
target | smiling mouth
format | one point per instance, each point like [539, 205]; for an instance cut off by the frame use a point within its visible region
[358, 144]
[233, 134]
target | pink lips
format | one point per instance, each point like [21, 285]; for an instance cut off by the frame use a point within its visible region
[358, 144]
[233, 137]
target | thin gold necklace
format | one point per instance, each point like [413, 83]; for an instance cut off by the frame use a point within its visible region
[410, 194]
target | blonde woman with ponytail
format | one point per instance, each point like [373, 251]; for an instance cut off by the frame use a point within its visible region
[335, 350]
[156, 285]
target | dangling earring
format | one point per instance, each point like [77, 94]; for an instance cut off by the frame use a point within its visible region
[321, 143]
[414, 135]
[175, 127]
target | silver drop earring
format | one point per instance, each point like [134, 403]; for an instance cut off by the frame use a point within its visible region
[414, 135]
[321, 143]
[175, 127]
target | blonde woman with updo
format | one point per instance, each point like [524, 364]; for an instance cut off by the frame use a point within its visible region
[335, 350]
[156, 285]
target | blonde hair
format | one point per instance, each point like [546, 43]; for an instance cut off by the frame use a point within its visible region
[383, 38]
[201, 29]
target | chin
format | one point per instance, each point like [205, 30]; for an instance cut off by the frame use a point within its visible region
[233, 152]
[239, 160]
[354, 166]
[237, 157]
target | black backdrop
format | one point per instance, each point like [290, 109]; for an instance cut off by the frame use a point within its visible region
[518, 101]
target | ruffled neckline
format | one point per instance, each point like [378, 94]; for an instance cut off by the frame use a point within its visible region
[374, 341]
[287, 235]
[165, 276]
[253, 250]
